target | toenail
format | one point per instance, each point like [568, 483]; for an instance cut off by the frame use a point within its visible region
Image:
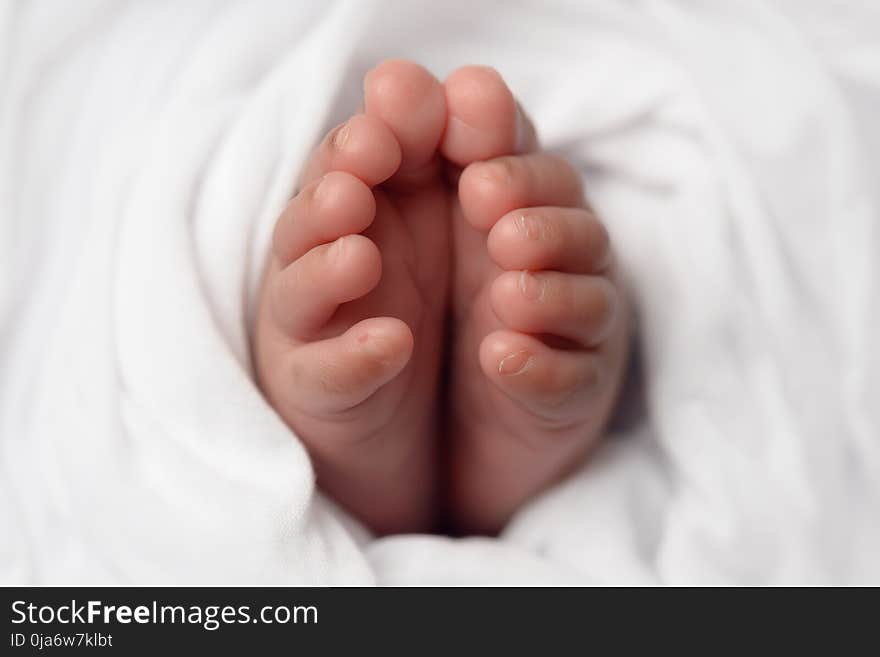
[319, 189]
[516, 363]
[531, 286]
[337, 249]
[529, 226]
[469, 129]
[495, 173]
[379, 348]
[340, 137]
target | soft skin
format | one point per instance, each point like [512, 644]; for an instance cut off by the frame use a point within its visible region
[434, 209]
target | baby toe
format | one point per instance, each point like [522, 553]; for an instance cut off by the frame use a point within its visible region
[337, 204]
[410, 101]
[552, 384]
[571, 240]
[579, 308]
[484, 120]
[306, 293]
[363, 146]
[488, 190]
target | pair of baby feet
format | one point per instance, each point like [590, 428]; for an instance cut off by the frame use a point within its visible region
[440, 322]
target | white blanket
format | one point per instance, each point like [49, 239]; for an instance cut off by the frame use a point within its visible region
[146, 147]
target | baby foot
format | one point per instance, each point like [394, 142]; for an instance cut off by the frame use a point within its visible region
[350, 328]
[540, 324]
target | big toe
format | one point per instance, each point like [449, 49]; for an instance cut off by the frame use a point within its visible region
[484, 120]
[411, 102]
